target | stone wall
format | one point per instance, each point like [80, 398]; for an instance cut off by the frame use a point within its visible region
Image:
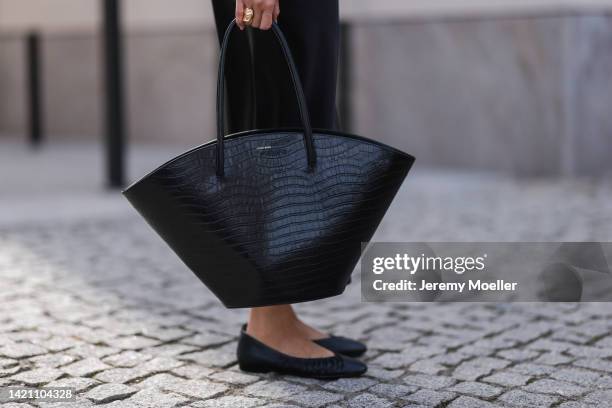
[525, 95]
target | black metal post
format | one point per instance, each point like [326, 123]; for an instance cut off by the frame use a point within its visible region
[34, 86]
[344, 97]
[113, 86]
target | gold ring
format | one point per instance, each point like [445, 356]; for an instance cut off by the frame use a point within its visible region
[248, 16]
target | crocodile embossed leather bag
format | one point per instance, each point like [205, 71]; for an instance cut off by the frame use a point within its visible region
[276, 216]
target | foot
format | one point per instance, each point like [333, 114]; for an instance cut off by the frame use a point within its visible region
[277, 327]
[291, 342]
[255, 356]
[280, 328]
[309, 331]
[337, 344]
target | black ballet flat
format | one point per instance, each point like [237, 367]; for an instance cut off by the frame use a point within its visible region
[343, 345]
[339, 344]
[254, 356]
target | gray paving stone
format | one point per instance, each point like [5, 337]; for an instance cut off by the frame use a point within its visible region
[273, 389]
[21, 350]
[398, 360]
[476, 389]
[430, 398]
[605, 341]
[121, 375]
[315, 398]
[507, 379]
[473, 369]
[110, 392]
[172, 349]
[8, 362]
[90, 350]
[469, 402]
[532, 369]
[528, 332]
[118, 404]
[93, 336]
[594, 364]
[517, 355]
[350, 384]
[386, 345]
[218, 357]
[229, 402]
[234, 377]
[28, 334]
[85, 367]
[160, 364]
[600, 398]
[300, 380]
[200, 389]
[428, 366]
[429, 381]
[38, 376]
[549, 345]
[80, 384]
[157, 399]
[165, 334]
[58, 343]
[127, 359]
[193, 371]
[451, 359]
[393, 391]
[81, 402]
[9, 371]
[519, 398]
[548, 386]
[570, 335]
[132, 342]
[52, 360]
[553, 359]
[474, 351]
[206, 339]
[496, 343]
[157, 381]
[581, 377]
[576, 404]
[590, 352]
[383, 374]
[367, 400]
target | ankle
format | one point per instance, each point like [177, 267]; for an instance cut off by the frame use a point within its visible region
[272, 319]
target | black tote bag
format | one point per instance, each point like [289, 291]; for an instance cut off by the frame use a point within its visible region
[276, 216]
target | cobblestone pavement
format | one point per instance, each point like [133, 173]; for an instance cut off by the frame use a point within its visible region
[94, 300]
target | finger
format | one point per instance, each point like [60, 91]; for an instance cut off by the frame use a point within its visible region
[258, 12]
[266, 20]
[240, 14]
[276, 11]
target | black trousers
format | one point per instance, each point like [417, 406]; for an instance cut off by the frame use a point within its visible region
[259, 90]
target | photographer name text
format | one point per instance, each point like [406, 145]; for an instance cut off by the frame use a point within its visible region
[460, 287]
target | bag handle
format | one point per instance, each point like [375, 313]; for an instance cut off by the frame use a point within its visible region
[297, 86]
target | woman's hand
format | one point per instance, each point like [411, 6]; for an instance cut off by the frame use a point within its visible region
[264, 12]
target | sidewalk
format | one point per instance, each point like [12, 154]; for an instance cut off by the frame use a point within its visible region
[91, 298]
